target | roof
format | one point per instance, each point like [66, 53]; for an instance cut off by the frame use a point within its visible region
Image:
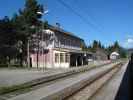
[115, 53]
[54, 28]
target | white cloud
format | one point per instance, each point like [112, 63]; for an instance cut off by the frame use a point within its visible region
[129, 43]
[130, 40]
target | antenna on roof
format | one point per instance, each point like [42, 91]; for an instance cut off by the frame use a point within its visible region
[58, 25]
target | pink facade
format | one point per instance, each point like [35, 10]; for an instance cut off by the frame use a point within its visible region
[59, 45]
[43, 59]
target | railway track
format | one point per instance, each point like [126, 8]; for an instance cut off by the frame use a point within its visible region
[44, 81]
[16, 95]
[88, 91]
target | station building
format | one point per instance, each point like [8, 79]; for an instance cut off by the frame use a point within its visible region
[57, 48]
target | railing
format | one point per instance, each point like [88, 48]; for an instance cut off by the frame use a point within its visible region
[70, 47]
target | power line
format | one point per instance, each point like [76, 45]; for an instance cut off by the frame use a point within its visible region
[90, 17]
[78, 14]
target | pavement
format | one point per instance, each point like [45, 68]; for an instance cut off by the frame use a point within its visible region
[10, 77]
[63, 87]
[109, 90]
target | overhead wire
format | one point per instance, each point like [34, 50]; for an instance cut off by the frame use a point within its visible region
[79, 15]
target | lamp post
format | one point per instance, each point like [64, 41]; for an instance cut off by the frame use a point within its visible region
[28, 48]
[58, 25]
[28, 44]
[42, 36]
[28, 54]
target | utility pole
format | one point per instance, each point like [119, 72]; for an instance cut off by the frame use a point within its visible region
[42, 36]
[28, 54]
[59, 39]
[42, 47]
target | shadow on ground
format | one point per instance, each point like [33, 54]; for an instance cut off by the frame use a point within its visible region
[125, 91]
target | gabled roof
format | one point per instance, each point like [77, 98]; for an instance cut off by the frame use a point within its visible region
[115, 53]
[60, 30]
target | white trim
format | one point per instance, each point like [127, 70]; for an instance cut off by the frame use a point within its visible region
[61, 64]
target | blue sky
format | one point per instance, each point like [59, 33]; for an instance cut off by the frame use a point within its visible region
[112, 19]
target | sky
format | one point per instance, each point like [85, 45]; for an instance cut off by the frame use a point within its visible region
[103, 20]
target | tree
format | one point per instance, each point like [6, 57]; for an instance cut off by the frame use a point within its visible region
[99, 44]
[15, 32]
[117, 48]
[26, 20]
[123, 53]
[8, 38]
[94, 46]
[28, 17]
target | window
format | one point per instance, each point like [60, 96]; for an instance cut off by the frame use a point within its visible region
[67, 58]
[61, 57]
[56, 57]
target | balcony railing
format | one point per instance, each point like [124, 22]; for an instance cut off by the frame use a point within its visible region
[69, 47]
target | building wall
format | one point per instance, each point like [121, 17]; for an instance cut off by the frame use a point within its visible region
[50, 59]
[114, 57]
[61, 59]
[44, 60]
[56, 58]
[101, 55]
[66, 41]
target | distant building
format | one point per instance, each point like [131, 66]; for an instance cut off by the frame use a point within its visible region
[56, 48]
[100, 54]
[114, 55]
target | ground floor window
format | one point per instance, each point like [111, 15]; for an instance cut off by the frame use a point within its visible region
[67, 57]
[57, 57]
[62, 57]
